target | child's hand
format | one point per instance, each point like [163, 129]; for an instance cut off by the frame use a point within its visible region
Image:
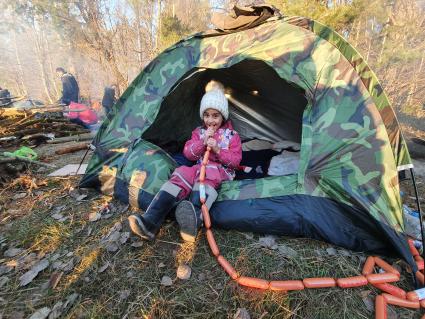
[208, 134]
[213, 144]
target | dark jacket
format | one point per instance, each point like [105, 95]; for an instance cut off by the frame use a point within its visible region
[4, 97]
[108, 99]
[70, 90]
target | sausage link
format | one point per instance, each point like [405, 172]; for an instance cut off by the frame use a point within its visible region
[211, 242]
[227, 267]
[386, 266]
[206, 216]
[368, 265]
[319, 282]
[380, 308]
[351, 282]
[393, 300]
[286, 285]
[382, 278]
[392, 290]
[253, 282]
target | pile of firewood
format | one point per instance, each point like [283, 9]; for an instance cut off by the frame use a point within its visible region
[33, 128]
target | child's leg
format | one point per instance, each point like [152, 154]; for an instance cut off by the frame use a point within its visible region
[147, 225]
[188, 212]
[177, 188]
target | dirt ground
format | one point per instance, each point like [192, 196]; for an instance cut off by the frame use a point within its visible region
[68, 253]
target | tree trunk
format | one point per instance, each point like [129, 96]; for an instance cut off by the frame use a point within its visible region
[370, 40]
[414, 81]
[158, 27]
[23, 90]
[52, 72]
[39, 52]
[139, 36]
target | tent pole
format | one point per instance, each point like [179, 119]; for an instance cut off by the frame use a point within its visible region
[90, 147]
[418, 206]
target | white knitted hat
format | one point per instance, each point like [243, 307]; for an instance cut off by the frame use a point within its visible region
[214, 98]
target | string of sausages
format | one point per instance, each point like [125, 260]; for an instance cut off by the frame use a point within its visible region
[391, 295]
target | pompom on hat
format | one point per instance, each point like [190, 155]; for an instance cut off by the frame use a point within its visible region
[214, 98]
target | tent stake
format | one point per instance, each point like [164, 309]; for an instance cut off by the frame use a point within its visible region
[418, 205]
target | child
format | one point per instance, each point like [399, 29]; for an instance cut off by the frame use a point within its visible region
[226, 153]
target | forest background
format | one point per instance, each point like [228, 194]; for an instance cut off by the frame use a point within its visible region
[104, 42]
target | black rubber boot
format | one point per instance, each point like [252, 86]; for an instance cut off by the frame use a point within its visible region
[189, 215]
[147, 225]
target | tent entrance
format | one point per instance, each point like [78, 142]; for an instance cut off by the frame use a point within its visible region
[262, 105]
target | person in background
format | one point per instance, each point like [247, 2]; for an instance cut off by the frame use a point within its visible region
[109, 98]
[5, 97]
[70, 89]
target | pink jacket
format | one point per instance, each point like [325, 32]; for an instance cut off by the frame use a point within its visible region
[227, 139]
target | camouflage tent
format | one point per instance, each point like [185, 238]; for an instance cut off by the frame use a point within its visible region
[287, 78]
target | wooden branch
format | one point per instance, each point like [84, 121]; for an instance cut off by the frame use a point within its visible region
[73, 148]
[79, 137]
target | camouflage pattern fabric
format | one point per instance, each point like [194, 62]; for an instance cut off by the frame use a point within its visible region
[351, 141]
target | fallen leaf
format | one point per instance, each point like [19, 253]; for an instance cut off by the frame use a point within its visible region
[12, 252]
[184, 272]
[61, 307]
[161, 265]
[26, 262]
[5, 269]
[391, 313]
[137, 244]
[287, 251]
[249, 235]
[57, 216]
[124, 237]
[112, 247]
[331, 251]
[107, 216]
[114, 236]
[166, 281]
[40, 313]
[94, 217]
[76, 193]
[70, 300]
[89, 230]
[66, 267]
[58, 264]
[58, 209]
[19, 195]
[117, 227]
[70, 254]
[56, 311]
[124, 294]
[344, 252]
[17, 315]
[103, 268]
[268, 242]
[26, 278]
[81, 197]
[368, 300]
[54, 279]
[4, 280]
[242, 313]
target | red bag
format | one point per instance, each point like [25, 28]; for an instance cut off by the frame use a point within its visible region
[88, 116]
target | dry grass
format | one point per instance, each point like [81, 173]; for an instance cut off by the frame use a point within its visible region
[130, 286]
